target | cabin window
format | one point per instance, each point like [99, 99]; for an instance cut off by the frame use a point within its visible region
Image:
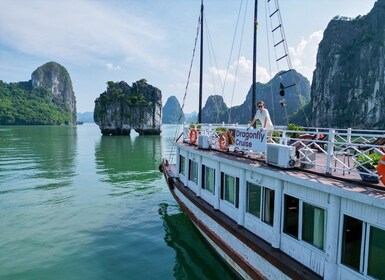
[254, 196]
[268, 206]
[193, 171]
[313, 224]
[376, 260]
[182, 164]
[304, 221]
[260, 202]
[230, 189]
[351, 242]
[291, 218]
[208, 178]
[363, 247]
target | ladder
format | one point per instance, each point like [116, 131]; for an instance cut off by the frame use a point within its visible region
[282, 56]
[280, 45]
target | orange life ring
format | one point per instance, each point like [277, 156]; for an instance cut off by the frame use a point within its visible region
[193, 136]
[381, 169]
[223, 141]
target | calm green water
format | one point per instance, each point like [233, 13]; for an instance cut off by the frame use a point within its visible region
[77, 205]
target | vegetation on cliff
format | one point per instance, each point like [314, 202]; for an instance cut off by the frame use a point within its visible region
[46, 99]
[123, 107]
[22, 105]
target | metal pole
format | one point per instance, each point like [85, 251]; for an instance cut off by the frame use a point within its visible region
[201, 69]
[254, 97]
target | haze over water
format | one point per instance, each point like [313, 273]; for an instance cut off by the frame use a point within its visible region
[78, 205]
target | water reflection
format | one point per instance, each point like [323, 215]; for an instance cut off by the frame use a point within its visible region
[130, 163]
[195, 259]
[43, 155]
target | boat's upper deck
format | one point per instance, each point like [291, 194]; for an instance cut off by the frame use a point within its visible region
[326, 156]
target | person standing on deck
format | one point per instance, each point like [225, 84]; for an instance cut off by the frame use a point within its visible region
[263, 116]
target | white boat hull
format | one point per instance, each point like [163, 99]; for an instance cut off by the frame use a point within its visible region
[236, 253]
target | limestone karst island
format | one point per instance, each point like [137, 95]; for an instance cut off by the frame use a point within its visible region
[47, 99]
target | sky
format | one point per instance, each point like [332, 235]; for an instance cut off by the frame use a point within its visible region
[127, 40]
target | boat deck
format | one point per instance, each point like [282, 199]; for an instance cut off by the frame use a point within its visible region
[339, 177]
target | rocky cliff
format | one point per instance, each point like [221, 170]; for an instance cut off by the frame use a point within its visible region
[348, 84]
[46, 99]
[55, 78]
[172, 112]
[123, 107]
[215, 110]
[281, 108]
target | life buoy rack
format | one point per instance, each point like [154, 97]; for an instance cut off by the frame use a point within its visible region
[193, 136]
[381, 169]
[223, 141]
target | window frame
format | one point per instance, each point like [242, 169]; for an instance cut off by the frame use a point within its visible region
[190, 178]
[341, 254]
[364, 248]
[263, 209]
[203, 183]
[182, 163]
[324, 225]
[367, 249]
[299, 218]
[301, 222]
[248, 200]
[236, 189]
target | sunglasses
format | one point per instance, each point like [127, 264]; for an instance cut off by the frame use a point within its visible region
[260, 106]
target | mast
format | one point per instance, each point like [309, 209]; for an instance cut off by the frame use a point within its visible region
[201, 69]
[254, 93]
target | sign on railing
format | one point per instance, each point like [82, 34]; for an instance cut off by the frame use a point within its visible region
[249, 139]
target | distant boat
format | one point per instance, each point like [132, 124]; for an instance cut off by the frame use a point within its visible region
[79, 122]
[288, 206]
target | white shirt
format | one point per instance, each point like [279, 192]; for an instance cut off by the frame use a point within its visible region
[261, 116]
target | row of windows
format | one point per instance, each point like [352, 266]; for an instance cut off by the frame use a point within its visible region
[260, 203]
[363, 246]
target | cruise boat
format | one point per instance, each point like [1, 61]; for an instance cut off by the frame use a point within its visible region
[298, 204]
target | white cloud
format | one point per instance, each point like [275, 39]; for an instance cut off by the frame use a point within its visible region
[111, 66]
[81, 31]
[303, 56]
[124, 40]
[233, 84]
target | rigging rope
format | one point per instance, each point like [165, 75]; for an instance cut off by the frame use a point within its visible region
[211, 48]
[269, 62]
[236, 69]
[186, 89]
